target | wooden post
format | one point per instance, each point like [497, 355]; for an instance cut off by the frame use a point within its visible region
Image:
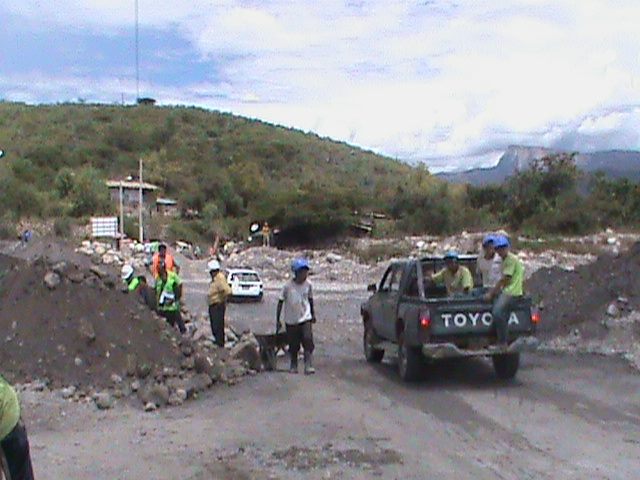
[121, 214]
[141, 235]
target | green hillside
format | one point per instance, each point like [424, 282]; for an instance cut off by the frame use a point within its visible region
[231, 169]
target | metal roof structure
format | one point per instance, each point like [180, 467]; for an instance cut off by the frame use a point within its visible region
[131, 184]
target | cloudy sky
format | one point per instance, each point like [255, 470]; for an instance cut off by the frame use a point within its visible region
[451, 83]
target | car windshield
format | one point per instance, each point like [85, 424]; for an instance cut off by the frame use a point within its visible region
[245, 277]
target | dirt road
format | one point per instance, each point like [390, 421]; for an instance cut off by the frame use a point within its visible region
[565, 417]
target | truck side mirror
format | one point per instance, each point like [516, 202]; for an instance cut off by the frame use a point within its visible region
[372, 288]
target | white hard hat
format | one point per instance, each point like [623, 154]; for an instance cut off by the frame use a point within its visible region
[127, 271]
[213, 265]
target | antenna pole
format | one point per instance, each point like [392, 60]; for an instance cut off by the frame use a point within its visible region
[137, 56]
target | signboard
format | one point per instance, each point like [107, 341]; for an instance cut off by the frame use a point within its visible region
[102, 227]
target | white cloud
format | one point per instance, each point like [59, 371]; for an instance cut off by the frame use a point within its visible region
[449, 82]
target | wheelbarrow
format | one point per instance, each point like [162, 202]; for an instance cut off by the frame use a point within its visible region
[270, 344]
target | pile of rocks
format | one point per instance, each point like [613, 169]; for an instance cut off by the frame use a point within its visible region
[63, 272]
[203, 365]
[101, 345]
[274, 265]
[621, 338]
[132, 253]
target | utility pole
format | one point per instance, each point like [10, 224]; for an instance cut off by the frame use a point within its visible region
[121, 213]
[137, 57]
[141, 236]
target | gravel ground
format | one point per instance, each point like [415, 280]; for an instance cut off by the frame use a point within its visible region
[566, 416]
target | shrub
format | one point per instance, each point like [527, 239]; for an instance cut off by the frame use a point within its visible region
[62, 227]
[7, 228]
[19, 198]
[89, 195]
[64, 182]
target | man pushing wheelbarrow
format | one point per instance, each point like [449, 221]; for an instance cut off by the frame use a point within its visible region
[299, 315]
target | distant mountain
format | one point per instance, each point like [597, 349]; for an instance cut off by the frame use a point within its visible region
[614, 164]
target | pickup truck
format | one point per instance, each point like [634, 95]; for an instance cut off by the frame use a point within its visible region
[409, 314]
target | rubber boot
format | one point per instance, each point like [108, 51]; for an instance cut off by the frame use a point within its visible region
[308, 364]
[294, 364]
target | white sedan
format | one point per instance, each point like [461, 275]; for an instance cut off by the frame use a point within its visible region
[245, 284]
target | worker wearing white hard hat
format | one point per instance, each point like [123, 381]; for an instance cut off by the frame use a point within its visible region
[213, 266]
[131, 281]
[219, 292]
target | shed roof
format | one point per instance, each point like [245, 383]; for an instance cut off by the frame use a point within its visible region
[129, 184]
[166, 201]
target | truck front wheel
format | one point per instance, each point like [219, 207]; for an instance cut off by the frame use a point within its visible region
[506, 366]
[372, 354]
[409, 360]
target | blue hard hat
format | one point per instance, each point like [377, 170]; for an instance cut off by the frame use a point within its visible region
[489, 240]
[451, 256]
[501, 241]
[299, 264]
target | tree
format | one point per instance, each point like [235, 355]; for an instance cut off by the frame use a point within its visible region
[89, 195]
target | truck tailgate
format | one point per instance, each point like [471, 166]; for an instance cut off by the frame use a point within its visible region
[473, 317]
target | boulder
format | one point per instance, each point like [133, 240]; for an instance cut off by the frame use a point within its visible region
[143, 370]
[216, 371]
[613, 310]
[52, 280]
[98, 271]
[202, 363]
[132, 364]
[86, 330]
[150, 407]
[247, 352]
[233, 369]
[156, 393]
[188, 363]
[76, 277]
[60, 268]
[109, 281]
[186, 347]
[202, 381]
[103, 400]
[68, 392]
[334, 258]
[175, 400]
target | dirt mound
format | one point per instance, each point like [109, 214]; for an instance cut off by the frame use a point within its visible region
[8, 263]
[582, 297]
[71, 325]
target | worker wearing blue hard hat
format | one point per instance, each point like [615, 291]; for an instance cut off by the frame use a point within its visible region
[456, 278]
[299, 315]
[508, 290]
[489, 262]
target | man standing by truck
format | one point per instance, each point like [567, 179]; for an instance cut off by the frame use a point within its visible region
[299, 315]
[456, 278]
[507, 291]
[489, 263]
[13, 436]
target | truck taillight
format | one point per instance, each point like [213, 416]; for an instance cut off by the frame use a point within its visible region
[425, 319]
[535, 316]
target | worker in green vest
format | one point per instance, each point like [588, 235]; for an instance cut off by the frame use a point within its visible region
[13, 435]
[131, 281]
[168, 295]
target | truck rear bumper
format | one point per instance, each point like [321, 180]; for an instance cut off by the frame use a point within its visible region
[450, 350]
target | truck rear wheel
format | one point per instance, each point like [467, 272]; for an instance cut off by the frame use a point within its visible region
[506, 365]
[372, 354]
[409, 360]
